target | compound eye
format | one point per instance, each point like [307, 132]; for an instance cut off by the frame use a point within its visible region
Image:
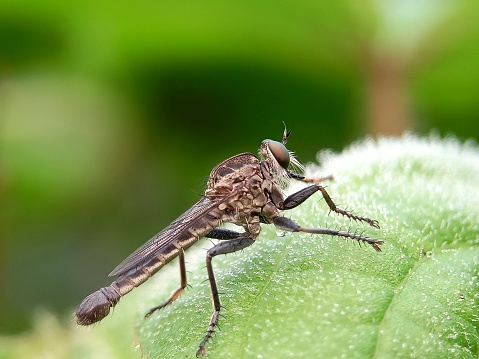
[280, 153]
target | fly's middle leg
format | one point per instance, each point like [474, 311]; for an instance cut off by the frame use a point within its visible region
[287, 224]
[177, 292]
[220, 248]
[223, 234]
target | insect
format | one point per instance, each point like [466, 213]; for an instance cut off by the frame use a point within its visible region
[243, 190]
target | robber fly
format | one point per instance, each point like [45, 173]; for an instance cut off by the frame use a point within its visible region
[243, 190]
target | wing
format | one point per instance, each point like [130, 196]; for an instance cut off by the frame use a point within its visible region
[194, 219]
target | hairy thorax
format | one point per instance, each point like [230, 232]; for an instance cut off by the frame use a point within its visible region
[241, 191]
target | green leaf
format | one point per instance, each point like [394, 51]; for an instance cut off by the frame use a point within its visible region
[305, 296]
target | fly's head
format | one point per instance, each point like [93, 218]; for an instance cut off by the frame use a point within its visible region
[280, 159]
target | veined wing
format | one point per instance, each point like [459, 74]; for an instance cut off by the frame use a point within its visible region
[178, 228]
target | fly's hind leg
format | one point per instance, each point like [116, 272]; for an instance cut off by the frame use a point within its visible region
[230, 246]
[217, 233]
[176, 293]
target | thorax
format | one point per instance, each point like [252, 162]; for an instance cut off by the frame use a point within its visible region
[243, 191]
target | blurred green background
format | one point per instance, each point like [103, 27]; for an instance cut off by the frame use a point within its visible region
[112, 114]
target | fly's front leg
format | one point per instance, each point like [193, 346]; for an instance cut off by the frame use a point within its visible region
[303, 178]
[287, 224]
[299, 197]
[176, 293]
[220, 248]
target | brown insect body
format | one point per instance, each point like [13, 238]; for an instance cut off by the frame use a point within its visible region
[242, 190]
